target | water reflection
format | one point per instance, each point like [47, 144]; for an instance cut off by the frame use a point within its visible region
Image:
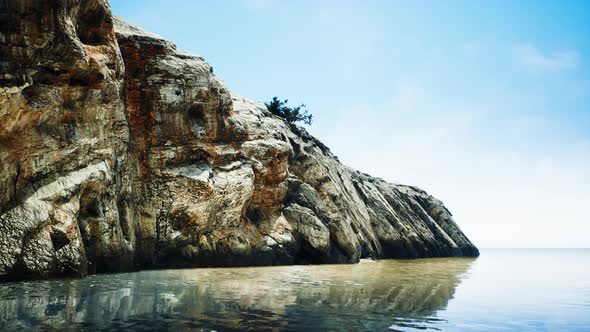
[365, 296]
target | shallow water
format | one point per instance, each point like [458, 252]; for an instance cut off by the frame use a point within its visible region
[503, 290]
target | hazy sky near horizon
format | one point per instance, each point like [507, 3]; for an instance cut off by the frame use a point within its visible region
[484, 104]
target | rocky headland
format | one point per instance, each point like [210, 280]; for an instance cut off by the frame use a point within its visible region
[120, 152]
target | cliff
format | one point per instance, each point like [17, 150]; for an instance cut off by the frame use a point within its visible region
[120, 152]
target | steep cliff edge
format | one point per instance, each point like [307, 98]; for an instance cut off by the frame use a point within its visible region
[120, 152]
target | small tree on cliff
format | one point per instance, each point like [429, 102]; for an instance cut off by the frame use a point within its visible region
[290, 114]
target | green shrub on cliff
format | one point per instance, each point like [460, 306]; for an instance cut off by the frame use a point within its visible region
[290, 114]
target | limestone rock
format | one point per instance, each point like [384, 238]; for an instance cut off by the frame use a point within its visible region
[120, 152]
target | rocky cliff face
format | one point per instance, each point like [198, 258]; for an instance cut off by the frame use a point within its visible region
[119, 152]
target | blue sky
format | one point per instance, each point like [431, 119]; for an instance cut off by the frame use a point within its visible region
[485, 105]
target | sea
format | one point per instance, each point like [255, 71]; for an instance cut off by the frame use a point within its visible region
[502, 290]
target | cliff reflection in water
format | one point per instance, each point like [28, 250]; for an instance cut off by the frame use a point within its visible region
[369, 295]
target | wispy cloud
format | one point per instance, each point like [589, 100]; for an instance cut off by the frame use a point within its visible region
[535, 58]
[436, 142]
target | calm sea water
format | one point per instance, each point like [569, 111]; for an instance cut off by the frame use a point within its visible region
[503, 290]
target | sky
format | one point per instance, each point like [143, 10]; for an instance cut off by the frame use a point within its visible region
[483, 104]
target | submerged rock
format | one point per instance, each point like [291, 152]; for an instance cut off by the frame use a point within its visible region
[120, 152]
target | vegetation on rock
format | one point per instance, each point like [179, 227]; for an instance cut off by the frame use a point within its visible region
[290, 114]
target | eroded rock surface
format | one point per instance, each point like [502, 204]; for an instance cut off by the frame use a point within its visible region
[120, 152]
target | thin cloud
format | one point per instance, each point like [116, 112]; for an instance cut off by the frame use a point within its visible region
[533, 57]
[499, 192]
